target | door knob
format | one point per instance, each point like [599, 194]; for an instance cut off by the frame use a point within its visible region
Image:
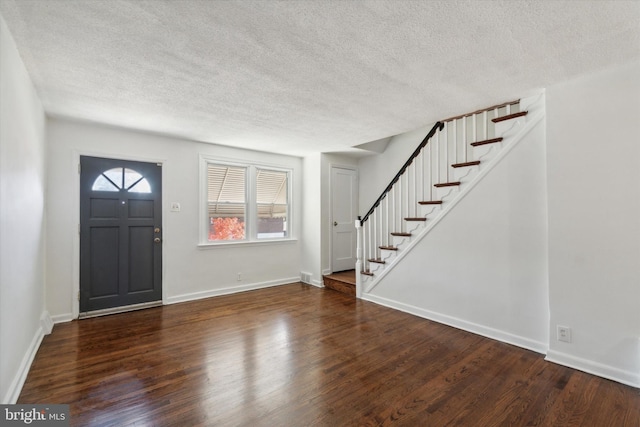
[156, 230]
[335, 223]
[157, 240]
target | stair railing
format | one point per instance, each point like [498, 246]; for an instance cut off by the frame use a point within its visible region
[430, 164]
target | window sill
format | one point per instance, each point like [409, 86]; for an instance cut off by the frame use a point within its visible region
[264, 242]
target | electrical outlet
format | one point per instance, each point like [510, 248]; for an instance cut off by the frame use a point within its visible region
[175, 207]
[564, 333]
[239, 278]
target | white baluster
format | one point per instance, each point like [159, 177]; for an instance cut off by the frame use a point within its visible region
[414, 193]
[484, 120]
[408, 185]
[385, 233]
[446, 151]
[393, 208]
[358, 258]
[455, 141]
[437, 159]
[475, 127]
[430, 174]
[399, 204]
[422, 174]
[464, 139]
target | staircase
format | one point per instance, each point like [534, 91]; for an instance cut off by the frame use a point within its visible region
[449, 162]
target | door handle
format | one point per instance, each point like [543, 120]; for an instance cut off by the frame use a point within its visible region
[157, 240]
[335, 223]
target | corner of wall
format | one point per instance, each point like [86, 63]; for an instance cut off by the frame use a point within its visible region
[20, 377]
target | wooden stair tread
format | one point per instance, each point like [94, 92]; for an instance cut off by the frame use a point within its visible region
[415, 219]
[401, 234]
[388, 248]
[430, 202]
[366, 273]
[377, 260]
[465, 164]
[447, 184]
[486, 141]
[509, 117]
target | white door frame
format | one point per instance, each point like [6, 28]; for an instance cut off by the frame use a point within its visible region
[75, 259]
[333, 166]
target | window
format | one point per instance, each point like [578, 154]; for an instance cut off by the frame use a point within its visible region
[246, 202]
[117, 179]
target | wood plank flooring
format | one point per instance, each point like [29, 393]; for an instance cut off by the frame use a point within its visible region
[296, 355]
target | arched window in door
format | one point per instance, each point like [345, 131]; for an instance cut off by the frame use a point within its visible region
[118, 179]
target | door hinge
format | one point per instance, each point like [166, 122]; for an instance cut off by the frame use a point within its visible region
[79, 168]
[78, 295]
[78, 228]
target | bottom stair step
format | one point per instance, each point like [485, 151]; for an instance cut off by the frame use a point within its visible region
[344, 282]
[367, 273]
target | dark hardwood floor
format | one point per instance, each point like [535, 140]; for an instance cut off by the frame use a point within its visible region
[296, 355]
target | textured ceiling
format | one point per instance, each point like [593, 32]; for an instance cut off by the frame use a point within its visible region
[305, 76]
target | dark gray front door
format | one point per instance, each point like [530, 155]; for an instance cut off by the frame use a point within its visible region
[120, 233]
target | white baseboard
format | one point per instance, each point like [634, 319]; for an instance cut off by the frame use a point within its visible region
[62, 318]
[496, 334]
[46, 323]
[21, 375]
[229, 290]
[605, 371]
[317, 283]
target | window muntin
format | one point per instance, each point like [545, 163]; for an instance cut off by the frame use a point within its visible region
[117, 179]
[226, 202]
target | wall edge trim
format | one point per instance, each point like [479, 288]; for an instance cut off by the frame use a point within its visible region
[229, 290]
[11, 397]
[475, 328]
[594, 368]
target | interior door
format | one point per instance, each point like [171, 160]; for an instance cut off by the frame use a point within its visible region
[120, 233]
[344, 205]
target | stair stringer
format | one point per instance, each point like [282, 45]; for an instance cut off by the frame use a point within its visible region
[535, 105]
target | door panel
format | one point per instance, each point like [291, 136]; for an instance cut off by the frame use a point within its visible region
[141, 259]
[344, 204]
[104, 277]
[120, 233]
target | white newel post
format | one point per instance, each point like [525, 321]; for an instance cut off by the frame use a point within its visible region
[358, 258]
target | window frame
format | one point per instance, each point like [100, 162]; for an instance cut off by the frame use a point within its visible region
[251, 212]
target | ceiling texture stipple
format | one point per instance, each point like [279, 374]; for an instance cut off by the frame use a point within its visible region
[297, 77]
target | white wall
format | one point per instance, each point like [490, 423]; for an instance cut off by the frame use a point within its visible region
[311, 258]
[593, 139]
[189, 271]
[21, 219]
[483, 267]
